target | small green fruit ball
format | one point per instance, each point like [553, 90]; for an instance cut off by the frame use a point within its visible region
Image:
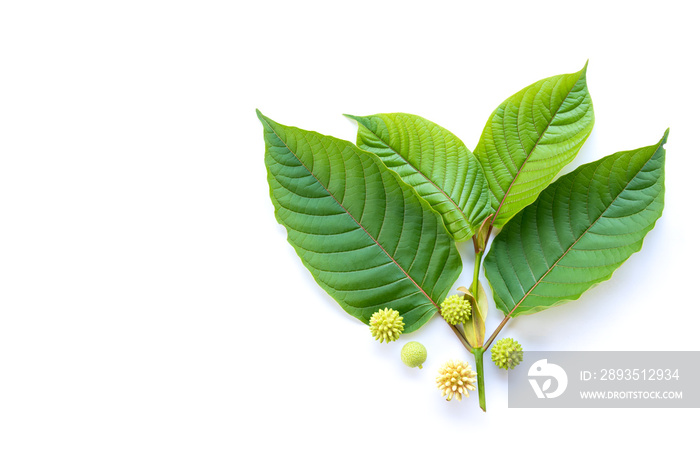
[386, 324]
[507, 353]
[456, 310]
[413, 354]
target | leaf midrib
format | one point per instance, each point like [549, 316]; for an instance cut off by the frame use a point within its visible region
[582, 234]
[520, 169]
[351, 216]
[459, 209]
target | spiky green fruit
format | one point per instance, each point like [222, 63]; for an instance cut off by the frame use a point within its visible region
[386, 324]
[414, 354]
[507, 353]
[456, 310]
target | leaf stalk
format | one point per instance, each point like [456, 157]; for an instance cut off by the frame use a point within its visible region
[496, 332]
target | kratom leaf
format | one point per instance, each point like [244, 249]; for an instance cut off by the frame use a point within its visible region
[530, 137]
[578, 232]
[366, 237]
[434, 162]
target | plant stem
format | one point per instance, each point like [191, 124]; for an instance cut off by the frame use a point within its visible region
[474, 288]
[495, 332]
[479, 358]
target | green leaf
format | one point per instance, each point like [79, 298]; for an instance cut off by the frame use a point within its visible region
[530, 137]
[366, 237]
[434, 162]
[578, 232]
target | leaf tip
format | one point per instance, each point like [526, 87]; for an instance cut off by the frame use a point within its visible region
[266, 121]
[664, 138]
[351, 117]
[584, 69]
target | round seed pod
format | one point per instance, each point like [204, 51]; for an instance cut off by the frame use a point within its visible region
[386, 325]
[414, 354]
[456, 310]
[507, 353]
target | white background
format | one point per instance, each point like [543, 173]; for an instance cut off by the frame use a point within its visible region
[151, 311]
